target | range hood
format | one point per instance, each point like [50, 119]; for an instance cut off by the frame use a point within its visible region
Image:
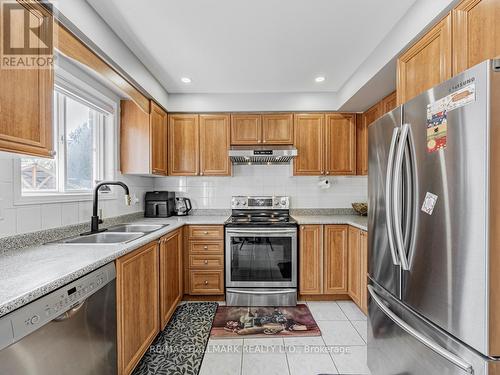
[262, 155]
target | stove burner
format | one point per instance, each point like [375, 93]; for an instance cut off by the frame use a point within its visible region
[261, 217]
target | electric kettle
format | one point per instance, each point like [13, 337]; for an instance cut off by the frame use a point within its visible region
[182, 206]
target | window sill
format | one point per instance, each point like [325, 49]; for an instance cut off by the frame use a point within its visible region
[59, 198]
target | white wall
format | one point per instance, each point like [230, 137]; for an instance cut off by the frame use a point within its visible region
[83, 16]
[16, 219]
[216, 192]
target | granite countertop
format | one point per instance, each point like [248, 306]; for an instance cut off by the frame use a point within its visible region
[32, 272]
[357, 221]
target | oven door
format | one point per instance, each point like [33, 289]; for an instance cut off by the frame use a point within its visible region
[261, 257]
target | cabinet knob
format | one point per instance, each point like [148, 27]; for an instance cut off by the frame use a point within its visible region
[259, 141]
[206, 282]
[327, 172]
[264, 141]
[205, 232]
[205, 247]
[52, 153]
[206, 261]
[201, 173]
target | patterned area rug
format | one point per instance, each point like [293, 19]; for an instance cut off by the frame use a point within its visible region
[179, 348]
[232, 322]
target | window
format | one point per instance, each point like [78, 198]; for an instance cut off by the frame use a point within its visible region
[79, 145]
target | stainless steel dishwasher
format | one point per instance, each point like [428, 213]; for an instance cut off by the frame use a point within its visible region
[71, 330]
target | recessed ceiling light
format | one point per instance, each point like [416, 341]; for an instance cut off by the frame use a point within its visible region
[186, 80]
[319, 79]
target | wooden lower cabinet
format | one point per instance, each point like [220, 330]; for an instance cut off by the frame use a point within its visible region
[358, 267]
[323, 259]
[207, 282]
[311, 260]
[204, 260]
[171, 289]
[137, 298]
[354, 268]
[363, 244]
[335, 259]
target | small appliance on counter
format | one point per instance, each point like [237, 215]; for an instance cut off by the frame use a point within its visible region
[182, 206]
[160, 204]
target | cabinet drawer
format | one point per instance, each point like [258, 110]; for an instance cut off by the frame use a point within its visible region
[206, 261]
[207, 282]
[206, 232]
[204, 247]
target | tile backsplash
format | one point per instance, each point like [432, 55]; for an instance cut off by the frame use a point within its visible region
[205, 193]
[17, 219]
[305, 192]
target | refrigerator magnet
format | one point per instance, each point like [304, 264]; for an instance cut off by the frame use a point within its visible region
[429, 203]
[437, 129]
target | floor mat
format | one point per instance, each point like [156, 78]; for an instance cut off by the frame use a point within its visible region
[180, 347]
[293, 321]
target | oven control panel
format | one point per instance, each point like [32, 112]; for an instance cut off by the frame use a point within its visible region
[261, 202]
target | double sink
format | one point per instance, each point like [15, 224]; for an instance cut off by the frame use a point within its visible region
[121, 233]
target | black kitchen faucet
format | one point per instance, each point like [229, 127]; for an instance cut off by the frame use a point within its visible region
[95, 220]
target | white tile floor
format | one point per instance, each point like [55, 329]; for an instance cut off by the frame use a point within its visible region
[340, 350]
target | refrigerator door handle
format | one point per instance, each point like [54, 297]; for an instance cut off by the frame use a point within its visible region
[396, 197]
[446, 354]
[388, 193]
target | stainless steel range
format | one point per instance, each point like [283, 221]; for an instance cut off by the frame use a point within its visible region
[261, 252]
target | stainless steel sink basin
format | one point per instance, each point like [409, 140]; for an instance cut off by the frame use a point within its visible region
[144, 228]
[103, 238]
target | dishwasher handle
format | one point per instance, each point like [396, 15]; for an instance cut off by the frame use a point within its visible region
[71, 312]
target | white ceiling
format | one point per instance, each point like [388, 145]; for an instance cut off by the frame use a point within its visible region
[253, 46]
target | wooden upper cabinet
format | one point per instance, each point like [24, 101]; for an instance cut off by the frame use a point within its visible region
[476, 26]
[340, 150]
[309, 134]
[246, 129]
[427, 63]
[214, 145]
[255, 129]
[354, 267]
[159, 125]
[26, 101]
[335, 259]
[311, 260]
[143, 139]
[277, 129]
[171, 275]
[183, 146]
[137, 301]
[389, 103]
[135, 139]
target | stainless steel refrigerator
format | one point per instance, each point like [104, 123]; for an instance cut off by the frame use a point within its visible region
[434, 230]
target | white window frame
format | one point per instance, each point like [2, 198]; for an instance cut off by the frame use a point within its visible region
[87, 90]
